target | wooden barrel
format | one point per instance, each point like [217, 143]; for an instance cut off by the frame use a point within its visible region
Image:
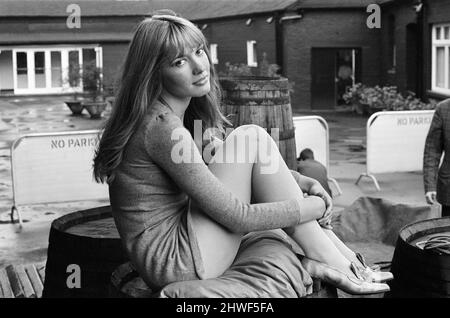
[126, 283]
[89, 239]
[420, 272]
[264, 101]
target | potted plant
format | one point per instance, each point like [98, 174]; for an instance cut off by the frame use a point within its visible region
[93, 85]
[73, 81]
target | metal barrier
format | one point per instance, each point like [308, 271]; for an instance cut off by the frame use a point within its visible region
[312, 132]
[395, 142]
[54, 167]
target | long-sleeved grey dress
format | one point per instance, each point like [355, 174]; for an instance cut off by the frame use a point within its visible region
[150, 198]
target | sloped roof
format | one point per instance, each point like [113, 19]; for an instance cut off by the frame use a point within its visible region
[65, 37]
[57, 8]
[190, 9]
[210, 9]
[317, 4]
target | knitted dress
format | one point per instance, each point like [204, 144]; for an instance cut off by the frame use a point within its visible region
[150, 197]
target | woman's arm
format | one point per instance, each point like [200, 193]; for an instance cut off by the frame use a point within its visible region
[313, 187]
[180, 158]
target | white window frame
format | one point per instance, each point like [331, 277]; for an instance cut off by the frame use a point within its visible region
[213, 51]
[445, 43]
[252, 59]
[64, 49]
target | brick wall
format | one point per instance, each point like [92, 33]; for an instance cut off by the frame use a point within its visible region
[439, 11]
[327, 29]
[231, 37]
[404, 15]
[113, 57]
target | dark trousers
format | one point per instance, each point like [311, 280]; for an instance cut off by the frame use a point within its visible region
[445, 210]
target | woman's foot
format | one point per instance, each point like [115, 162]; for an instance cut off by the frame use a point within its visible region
[371, 273]
[347, 282]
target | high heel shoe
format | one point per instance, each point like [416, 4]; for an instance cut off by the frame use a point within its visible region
[333, 276]
[372, 273]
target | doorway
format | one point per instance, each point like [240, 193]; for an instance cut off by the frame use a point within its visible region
[333, 70]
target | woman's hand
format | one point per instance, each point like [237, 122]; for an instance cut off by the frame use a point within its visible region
[316, 189]
[315, 205]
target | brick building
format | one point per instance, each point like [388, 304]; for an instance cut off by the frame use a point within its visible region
[322, 46]
[434, 72]
[37, 46]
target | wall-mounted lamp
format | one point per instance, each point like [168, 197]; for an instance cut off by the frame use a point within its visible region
[291, 17]
[418, 7]
[269, 20]
[248, 22]
[204, 26]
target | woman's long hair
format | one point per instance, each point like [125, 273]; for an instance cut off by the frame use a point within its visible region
[156, 40]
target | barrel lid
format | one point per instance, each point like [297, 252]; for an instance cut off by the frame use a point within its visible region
[96, 223]
[422, 230]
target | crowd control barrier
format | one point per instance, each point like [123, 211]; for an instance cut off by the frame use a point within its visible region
[395, 142]
[312, 132]
[54, 168]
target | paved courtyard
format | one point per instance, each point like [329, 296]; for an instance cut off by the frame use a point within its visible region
[49, 114]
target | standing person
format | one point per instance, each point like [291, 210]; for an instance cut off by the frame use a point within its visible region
[308, 166]
[179, 218]
[437, 180]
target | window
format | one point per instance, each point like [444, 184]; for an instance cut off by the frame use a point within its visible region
[39, 69]
[440, 80]
[213, 51]
[56, 68]
[252, 59]
[22, 69]
[74, 65]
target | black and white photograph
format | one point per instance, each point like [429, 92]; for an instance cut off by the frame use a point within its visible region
[247, 151]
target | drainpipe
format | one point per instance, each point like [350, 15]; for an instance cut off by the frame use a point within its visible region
[421, 47]
[279, 36]
[279, 42]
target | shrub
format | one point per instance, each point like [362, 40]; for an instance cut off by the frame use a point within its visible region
[384, 98]
[73, 79]
[238, 69]
[241, 69]
[92, 80]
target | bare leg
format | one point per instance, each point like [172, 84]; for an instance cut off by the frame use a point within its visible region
[246, 179]
[347, 252]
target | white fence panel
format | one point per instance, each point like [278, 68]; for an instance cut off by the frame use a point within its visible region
[312, 132]
[57, 167]
[396, 141]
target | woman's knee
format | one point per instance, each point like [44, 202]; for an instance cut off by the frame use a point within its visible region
[252, 134]
[251, 130]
